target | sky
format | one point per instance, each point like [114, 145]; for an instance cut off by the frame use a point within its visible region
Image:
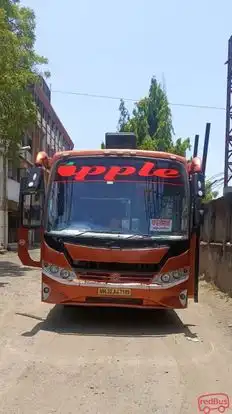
[113, 48]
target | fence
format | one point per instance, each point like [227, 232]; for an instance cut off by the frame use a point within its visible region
[217, 226]
[216, 244]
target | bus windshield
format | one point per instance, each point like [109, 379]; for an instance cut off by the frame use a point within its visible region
[122, 195]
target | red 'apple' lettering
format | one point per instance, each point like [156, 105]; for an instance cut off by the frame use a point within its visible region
[66, 170]
[147, 170]
[115, 171]
[166, 173]
[85, 171]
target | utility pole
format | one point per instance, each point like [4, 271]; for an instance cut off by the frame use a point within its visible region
[228, 132]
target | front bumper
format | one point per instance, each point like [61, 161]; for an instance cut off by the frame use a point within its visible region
[120, 295]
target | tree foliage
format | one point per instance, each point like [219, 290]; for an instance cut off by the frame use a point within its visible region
[19, 69]
[124, 117]
[209, 193]
[151, 121]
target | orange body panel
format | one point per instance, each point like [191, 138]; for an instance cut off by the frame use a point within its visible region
[88, 296]
[86, 291]
[109, 255]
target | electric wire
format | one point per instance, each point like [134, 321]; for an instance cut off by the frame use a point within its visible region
[110, 97]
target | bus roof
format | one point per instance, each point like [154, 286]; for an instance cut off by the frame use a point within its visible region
[102, 152]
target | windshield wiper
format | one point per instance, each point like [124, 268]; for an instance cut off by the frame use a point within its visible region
[69, 232]
[155, 238]
[139, 236]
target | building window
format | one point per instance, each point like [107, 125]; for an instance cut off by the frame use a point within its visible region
[46, 90]
[45, 114]
[50, 151]
[12, 170]
[21, 173]
[27, 142]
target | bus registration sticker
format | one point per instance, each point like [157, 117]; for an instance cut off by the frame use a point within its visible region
[160, 225]
[114, 292]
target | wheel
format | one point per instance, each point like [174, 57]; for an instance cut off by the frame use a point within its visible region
[221, 409]
[206, 410]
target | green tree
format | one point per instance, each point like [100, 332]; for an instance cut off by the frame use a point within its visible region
[209, 193]
[124, 116]
[151, 121]
[19, 69]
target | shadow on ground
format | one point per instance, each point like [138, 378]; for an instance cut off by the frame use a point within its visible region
[9, 269]
[3, 284]
[110, 322]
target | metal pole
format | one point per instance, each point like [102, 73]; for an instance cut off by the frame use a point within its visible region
[196, 142]
[198, 229]
[228, 108]
[206, 144]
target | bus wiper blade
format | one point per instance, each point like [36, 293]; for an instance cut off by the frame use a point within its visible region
[81, 234]
[92, 233]
[68, 233]
[95, 233]
[139, 236]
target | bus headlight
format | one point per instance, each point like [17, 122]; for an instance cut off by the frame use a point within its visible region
[65, 274]
[54, 269]
[176, 274]
[165, 278]
[172, 277]
[58, 272]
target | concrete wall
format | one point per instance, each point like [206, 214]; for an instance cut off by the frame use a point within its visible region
[216, 244]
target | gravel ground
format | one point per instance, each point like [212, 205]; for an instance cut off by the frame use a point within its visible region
[105, 360]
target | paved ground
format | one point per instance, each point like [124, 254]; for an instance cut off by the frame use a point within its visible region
[108, 361]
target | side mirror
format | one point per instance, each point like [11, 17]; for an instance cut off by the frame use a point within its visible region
[32, 210]
[198, 189]
[198, 185]
[32, 198]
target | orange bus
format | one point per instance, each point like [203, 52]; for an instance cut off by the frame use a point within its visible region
[119, 226]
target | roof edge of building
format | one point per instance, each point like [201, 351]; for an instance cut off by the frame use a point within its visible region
[42, 96]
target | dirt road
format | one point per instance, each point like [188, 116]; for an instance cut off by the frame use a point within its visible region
[108, 361]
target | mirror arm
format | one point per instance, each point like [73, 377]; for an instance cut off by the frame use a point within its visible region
[23, 245]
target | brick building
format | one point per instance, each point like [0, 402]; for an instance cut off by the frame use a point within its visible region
[49, 135]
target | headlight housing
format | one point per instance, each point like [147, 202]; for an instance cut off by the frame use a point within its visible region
[58, 272]
[173, 277]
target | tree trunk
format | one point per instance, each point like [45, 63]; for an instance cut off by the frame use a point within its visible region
[3, 199]
[4, 204]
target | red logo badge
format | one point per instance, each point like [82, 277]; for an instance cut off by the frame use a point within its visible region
[213, 402]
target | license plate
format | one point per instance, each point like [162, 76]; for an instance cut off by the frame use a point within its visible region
[114, 292]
